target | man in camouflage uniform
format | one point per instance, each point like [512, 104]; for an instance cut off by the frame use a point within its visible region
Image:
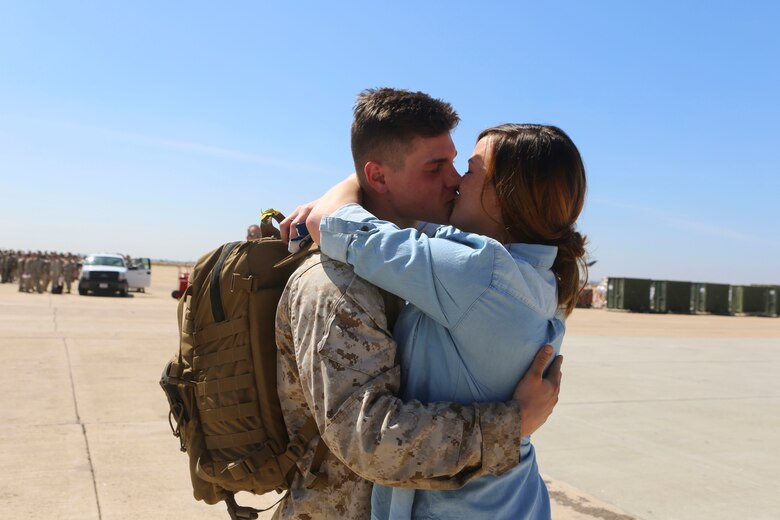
[15, 266]
[22, 270]
[34, 266]
[337, 358]
[70, 271]
[55, 269]
[12, 267]
[8, 263]
[45, 273]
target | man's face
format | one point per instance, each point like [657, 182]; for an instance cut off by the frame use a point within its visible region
[425, 186]
[253, 232]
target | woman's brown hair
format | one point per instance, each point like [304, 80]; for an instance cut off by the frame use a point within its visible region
[539, 178]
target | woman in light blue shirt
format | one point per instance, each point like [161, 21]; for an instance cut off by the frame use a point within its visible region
[482, 295]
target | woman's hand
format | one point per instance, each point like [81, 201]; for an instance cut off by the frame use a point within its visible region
[287, 228]
[345, 192]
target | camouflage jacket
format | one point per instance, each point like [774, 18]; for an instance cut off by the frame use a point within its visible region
[338, 362]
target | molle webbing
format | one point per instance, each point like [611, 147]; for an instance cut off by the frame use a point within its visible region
[223, 329]
[235, 440]
[222, 357]
[227, 384]
[229, 413]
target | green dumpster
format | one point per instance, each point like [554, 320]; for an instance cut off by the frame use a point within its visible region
[710, 298]
[631, 294]
[669, 296]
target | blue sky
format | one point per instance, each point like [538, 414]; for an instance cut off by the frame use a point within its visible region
[162, 129]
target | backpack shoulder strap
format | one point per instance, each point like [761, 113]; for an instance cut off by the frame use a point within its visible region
[392, 308]
[215, 291]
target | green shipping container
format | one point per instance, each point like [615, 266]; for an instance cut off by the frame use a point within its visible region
[631, 294]
[710, 298]
[754, 300]
[774, 301]
[669, 296]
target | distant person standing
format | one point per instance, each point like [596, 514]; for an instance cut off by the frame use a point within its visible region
[253, 232]
[11, 267]
[56, 274]
[35, 264]
[8, 261]
[45, 274]
[30, 268]
[70, 271]
[23, 274]
[14, 266]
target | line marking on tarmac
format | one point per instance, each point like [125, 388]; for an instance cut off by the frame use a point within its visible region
[83, 428]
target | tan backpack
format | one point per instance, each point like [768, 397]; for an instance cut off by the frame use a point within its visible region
[221, 385]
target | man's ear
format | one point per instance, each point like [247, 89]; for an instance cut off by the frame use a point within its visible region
[375, 175]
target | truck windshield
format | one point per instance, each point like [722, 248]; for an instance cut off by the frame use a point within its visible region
[104, 260]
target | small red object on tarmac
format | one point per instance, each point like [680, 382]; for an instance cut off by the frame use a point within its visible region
[184, 281]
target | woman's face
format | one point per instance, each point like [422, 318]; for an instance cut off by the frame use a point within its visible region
[475, 210]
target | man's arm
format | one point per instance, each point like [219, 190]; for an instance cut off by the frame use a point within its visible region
[346, 361]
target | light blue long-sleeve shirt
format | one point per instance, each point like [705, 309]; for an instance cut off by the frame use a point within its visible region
[478, 313]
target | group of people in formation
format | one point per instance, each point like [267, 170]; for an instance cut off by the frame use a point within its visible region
[39, 272]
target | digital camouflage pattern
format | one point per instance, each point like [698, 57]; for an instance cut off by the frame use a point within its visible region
[34, 271]
[337, 362]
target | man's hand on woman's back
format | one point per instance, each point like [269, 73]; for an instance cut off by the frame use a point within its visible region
[537, 393]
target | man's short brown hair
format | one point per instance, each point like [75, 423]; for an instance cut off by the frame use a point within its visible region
[386, 120]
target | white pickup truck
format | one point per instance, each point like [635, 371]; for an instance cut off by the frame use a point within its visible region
[139, 274]
[110, 273]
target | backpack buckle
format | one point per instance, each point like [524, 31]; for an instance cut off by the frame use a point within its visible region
[240, 469]
[297, 446]
[248, 465]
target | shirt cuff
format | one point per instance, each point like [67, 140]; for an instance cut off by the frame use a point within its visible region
[500, 425]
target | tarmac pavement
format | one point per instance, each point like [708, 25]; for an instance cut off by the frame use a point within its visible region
[661, 417]
[669, 416]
